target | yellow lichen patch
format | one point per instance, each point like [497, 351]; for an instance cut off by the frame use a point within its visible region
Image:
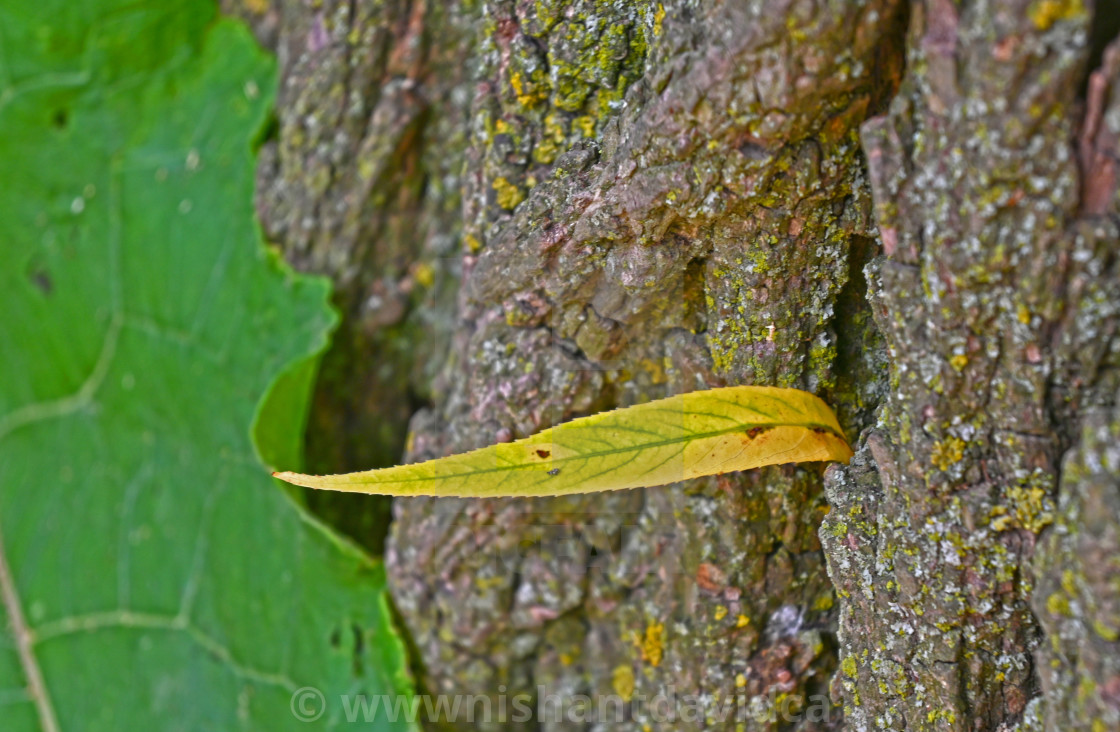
[959, 361]
[658, 19]
[622, 681]
[1069, 582]
[1045, 13]
[945, 714]
[425, 275]
[1109, 634]
[1058, 604]
[740, 681]
[721, 612]
[526, 96]
[552, 140]
[1023, 313]
[742, 621]
[584, 125]
[947, 453]
[1032, 506]
[1085, 689]
[509, 195]
[1029, 507]
[472, 243]
[848, 666]
[1001, 521]
[655, 369]
[651, 646]
[489, 583]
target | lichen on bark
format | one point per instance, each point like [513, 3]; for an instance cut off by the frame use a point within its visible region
[703, 236]
[991, 298]
[1077, 595]
[535, 210]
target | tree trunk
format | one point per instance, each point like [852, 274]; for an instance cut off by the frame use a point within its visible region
[538, 210]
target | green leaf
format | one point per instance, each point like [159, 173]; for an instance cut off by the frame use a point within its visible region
[684, 436]
[152, 576]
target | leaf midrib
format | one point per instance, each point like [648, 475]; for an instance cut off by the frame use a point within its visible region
[742, 427]
[36, 685]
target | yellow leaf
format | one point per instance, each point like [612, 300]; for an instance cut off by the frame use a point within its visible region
[684, 436]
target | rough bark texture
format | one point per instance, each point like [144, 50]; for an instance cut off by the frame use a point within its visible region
[361, 182]
[537, 210]
[997, 297]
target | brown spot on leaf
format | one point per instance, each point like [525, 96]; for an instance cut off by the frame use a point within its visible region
[542, 454]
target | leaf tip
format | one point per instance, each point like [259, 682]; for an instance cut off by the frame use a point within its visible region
[287, 476]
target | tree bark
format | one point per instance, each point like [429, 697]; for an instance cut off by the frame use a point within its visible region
[997, 297]
[538, 210]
